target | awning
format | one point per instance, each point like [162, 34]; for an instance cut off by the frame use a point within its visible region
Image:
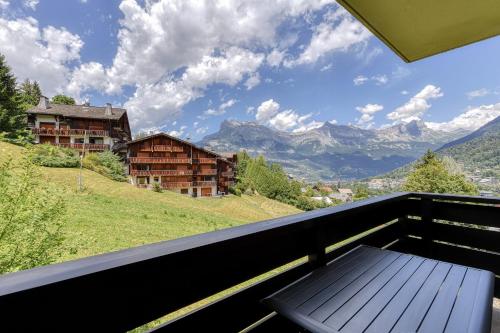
[416, 29]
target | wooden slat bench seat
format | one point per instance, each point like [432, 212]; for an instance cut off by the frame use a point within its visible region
[374, 290]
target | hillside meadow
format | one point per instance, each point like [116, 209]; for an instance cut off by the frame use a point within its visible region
[109, 215]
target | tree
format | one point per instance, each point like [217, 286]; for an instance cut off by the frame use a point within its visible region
[62, 99]
[32, 214]
[431, 175]
[12, 116]
[30, 93]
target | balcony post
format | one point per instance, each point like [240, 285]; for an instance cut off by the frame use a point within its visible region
[317, 257]
[426, 215]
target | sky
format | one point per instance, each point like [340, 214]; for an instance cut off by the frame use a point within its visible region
[184, 66]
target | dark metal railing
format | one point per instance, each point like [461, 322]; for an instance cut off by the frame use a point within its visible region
[123, 290]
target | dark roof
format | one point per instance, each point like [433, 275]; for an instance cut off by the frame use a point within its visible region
[180, 140]
[79, 111]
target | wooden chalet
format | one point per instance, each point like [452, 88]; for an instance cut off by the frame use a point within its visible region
[179, 166]
[81, 127]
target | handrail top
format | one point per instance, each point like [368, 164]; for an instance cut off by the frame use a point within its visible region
[44, 275]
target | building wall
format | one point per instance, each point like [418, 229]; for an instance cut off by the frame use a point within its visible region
[195, 169]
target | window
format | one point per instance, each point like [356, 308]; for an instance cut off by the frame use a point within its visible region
[79, 140]
[184, 191]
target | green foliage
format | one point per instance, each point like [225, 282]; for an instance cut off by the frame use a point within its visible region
[32, 214]
[431, 175]
[361, 193]
[30, 93]
[269, 180]
[53, 156]
[12, 116]
[107, 164]
[62, 99]
[157, 187]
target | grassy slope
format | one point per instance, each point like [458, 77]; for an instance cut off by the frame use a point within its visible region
[110, 215]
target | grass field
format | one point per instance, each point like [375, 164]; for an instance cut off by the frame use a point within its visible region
[109, 215]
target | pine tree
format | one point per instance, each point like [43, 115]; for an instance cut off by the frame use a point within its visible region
[431, 175]
[12, 116]
[30, 93]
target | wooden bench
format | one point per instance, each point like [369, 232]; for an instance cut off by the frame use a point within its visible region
[374, 290]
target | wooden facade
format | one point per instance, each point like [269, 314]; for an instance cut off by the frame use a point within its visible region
[81, 127]
[179, 166]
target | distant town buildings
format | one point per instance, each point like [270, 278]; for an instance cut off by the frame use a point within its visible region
[343, 194]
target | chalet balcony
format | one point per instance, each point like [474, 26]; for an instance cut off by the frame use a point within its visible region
[205, 160]
[227, 174]
[168, 148]
[205, 183]
[119, 291]
[206, 172]
[147, 160]
[227, 183]
[83, 146]
[169, 185]
[161, 172]
[68, 132]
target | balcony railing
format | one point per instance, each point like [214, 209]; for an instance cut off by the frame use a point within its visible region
[159, 160]
[168, 148]
[204, 160]
[204, 183]
[176, 184]
[227, 183]
[68, 132]
[122, 290]
[161, 172]
[206, 172]
[84, 146]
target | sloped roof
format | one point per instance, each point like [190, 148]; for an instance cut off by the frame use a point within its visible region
[416, 29]
[78, 111]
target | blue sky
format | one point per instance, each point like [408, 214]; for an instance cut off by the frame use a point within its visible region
[184, 66]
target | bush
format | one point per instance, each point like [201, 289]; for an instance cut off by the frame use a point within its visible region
[53, 156]
[157, 187]
[107, 164]
[32, 214]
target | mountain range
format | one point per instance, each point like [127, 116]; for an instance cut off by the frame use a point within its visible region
[332, 151]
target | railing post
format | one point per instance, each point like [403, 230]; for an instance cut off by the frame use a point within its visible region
[317, 257]
[426, 216]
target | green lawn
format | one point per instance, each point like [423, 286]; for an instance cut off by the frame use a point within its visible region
[109, 215]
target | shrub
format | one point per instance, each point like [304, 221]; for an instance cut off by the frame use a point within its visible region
[54, 157]
[32, 214]
[107, 164]
[157, 187]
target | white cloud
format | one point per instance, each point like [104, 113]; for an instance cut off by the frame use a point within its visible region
[360, 80]
[417, 105]
[338, 33]
[44, 55]
[30, 4]
[326, 67]
[159, 102]
[4, 4]
[267, 110]
[250, 110]
[404, 92]
[88, 76]
[469, 120]
[478, 93]
[309, 126]
[380, 79]
[284, 120]
[275, 57]
[201, 130]
[252, 81]
[221, 110]
[333, 121]
[367, 113]
[178, 133]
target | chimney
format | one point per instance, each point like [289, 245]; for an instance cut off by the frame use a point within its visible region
[107, 112]
[43, 103]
